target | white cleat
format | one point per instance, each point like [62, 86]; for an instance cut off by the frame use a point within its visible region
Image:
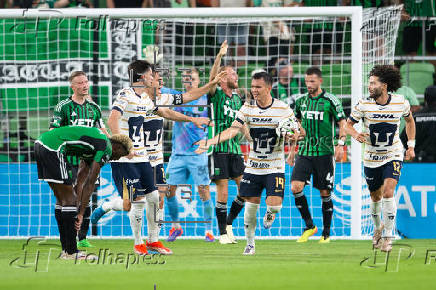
[224, 239]
[376, 237]
[80, 255]
[249, 250]
[386, 245]
[230, 235]
[268, 219]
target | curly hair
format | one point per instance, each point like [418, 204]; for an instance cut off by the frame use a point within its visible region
[387, 74]
[124, 140]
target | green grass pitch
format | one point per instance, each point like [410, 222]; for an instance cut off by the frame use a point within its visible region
[278, 264]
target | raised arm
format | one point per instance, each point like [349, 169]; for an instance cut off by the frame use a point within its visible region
[179, 117]
[225, 135]
[198, 92]
[217, 64]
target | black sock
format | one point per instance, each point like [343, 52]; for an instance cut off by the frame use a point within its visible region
[58, 216]
[301, 203]
[327, 214]
[235, 209]
[69, 214]
[85, 224]
[221, 216]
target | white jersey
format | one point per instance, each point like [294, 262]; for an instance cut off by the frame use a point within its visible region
[267, 153]
[153, 129]
[382, 122]
[134, 109]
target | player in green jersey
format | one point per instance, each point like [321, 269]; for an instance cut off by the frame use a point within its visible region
[94, 149]
[78, 110]
[318, 111]
[227, 162]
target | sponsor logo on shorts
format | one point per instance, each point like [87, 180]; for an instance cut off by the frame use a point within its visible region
[245, 181]
[131, 181]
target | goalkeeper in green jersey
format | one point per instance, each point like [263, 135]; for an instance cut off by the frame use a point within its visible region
[318, 111]
[93, 149]
[78, 110]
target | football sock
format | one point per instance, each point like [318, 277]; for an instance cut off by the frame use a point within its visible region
[173, 210]
[85, 224]
[235, 209]
[114, 204]
[250, 214]
[58, 216]
[301, 204]
[135, 216]
[389, 212]
[376, 207]
[152, 214]
[207, 214]
[327, 214]
[69, 214]
[221, 216]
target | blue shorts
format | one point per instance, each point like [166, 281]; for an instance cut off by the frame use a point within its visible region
[252, 185]
[159, 175]
[135, 176]
[375, 177]
[181, 166]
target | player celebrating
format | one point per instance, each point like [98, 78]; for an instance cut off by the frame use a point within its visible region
[93, 148]
[383, 158]
[317, 111]
[78, 110]
[227, 159]
[266, 166]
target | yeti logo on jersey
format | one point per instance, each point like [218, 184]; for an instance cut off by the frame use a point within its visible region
[83, 122]
[314, 115]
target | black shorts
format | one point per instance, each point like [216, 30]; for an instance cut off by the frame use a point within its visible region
[252, 185]
[226, 165]
[322, 168]
[133, 179]
[375, 177]
[52, 165]
[159, 175]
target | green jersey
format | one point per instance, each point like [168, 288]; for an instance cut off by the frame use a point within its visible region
[89, 144]
[70, 113]
[318, 117]
[284, 92]
[224, 113]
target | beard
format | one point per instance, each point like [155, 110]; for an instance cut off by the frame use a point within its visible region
[232, 85]
[376, 93]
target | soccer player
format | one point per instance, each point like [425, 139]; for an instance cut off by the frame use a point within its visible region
[184, 162]
[226, 159]
[383, 159]
[128, 115]
[266, 165]
[318, 111]
[78, 110]
[94, 149]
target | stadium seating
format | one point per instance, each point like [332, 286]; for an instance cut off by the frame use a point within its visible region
[417, 75]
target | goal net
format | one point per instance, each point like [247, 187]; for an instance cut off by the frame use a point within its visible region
[39, 50]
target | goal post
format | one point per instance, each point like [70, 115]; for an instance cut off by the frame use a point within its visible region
[342, 41]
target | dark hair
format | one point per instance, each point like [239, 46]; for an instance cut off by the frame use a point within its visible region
[138, 68]
[76, 74]
[387, 74]
[313, 70]
[263, 75]
[430, 95]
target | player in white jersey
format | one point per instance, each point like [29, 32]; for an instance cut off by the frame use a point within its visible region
[266, 161]
[383, 158]
[133, 176]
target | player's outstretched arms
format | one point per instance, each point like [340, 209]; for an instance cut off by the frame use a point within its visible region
[229, 133]
[349, 130]
[194, 94]
[217, 64]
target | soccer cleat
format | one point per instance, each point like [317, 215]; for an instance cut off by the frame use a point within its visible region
[159, 247]
[224, 239]
[84, 244]
[140, 249]
[324, 240]
[230, 235]
[80, 255]
[307, 233]
[268, 219]
[249, 250]
[209, 237]
[174, 233]
[97, 214]
[376, 237]
[386, 245]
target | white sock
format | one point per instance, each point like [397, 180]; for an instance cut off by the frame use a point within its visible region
[136, 215]
[376, 207]
[389, 213]
[273, 208]
[114, 204]
[250, 220]
[151, 207]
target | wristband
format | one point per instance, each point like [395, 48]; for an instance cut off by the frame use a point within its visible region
[341, 142]
[411, 143]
